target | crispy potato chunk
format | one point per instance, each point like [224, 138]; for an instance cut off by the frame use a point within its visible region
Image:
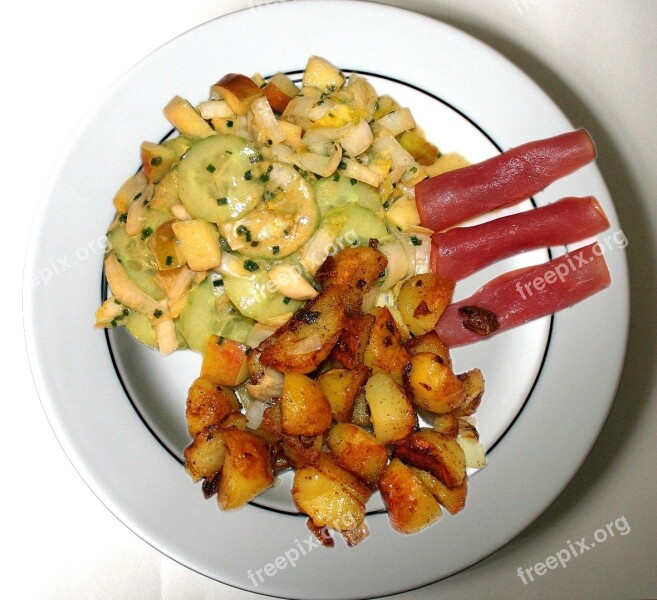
[351, 484]
[393, 417]
[473, 384]
[447, 424]
[341, 387]
[358, 451]
[453, 500]
[246, 470]
[304, 408]
[432, 385]
[325, 500]
[322, 318]
[411, 506]
[204, 457]
[351, 345]
[209, 404]
[385, 351]
[429, 342]
[354, 270]
[431, 451]
[423, 299]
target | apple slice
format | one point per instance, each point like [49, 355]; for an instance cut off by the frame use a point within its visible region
[239, 91]
[279, 91]
[225, 362]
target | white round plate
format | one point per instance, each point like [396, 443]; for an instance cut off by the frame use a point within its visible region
[118, 408]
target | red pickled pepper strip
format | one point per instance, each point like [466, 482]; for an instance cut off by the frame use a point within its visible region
[460, 251]
[508, 178]
[524, 295]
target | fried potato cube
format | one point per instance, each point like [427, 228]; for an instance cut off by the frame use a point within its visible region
[351, 484]
[341, 387]
[354, 270]
[325, 500]
[423, 299]
[358, 451]
[225, 362]
[473, 384]
[322, 318]
[204, 457]
[453, 500]
[385, 351]
[304, 408]
[209, 404]
[434, 452]
[393, 417]
[429, 342]
[352, 343]
[411, 506]
[246, 470]
[432, 385]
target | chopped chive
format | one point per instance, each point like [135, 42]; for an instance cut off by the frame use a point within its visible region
[113, 323]
[218, 282]
[229, 151]
[242, 230]
[332, 88]
[386, 204]
[220, 340]
[123, 218]
[264, 178]
[254, 244]
[146, 232]
[248, 176]
[137, 196]
[286, 300]
[336, 177]
[222, 201]
[211, 168]
[320, 102]
[275, 250]
[169, 261]
[352, 181]
[413, 169]
[255, 159]
[156, 161]
[126, 312]
[225, 247]
[416, 241]
[331, 115]
[342, 165]
[251, 266]
[286, 232]
[229, 123]
[158, 313]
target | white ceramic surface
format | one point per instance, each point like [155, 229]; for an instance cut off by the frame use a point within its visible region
[144, 485]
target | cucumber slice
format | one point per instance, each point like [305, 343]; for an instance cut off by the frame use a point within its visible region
[254, 298]
[215, 180]
[354, 223]
[141, 328]
[205, 314]
[336, 191]
[136, 259]
[282, 223]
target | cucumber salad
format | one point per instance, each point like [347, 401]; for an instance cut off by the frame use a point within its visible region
[224, 226]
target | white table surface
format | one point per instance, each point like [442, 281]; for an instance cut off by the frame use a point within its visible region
[596, 59]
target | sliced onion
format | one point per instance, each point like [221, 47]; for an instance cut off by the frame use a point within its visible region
[255, 412]
[354, 169]
[423, 254]
[180, 212]
[166, 335]
[215, 109]
[310, 344]
[125, 289]
[290, 283]
[233, 266]
[108, 311]
[269, 386]
[316, 251]
[326, 134]
[324, 166]
[259, 332]
[398, 263]
[409, 250]
[397, 121]
[265, 124]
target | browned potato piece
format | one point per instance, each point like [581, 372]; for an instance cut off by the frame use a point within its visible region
[354, 270]
[351, 484]
[341, 387]
[432, 385]
[429, 342]
[322, 318]
[393, 417]
[422, 300]
[411, 506]
[237, 420]
[246, 471]
[325, 500]
[358, 451]
[431, 451]
[208, 404]
[473, 384]
[447, 424]
[453, 500]
[304, 408]
[204, 457]
[351, 345]
[385, 351]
